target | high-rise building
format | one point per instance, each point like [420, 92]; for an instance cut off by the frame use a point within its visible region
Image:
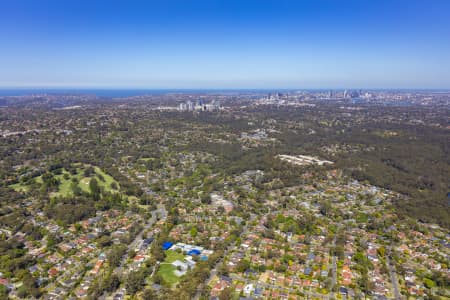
[182, 107]
[190, 106]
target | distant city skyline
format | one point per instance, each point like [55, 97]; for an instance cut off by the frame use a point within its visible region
[225, 44]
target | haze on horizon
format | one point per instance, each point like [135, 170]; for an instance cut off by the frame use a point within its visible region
[225, 44]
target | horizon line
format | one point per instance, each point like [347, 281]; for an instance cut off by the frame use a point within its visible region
[5, 88]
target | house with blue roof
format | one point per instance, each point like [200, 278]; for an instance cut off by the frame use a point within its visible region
[167, 245]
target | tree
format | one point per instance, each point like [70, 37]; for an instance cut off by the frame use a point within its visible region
[242, 265]
[104, 241]
[113, 283]
[88, 172]
[325, 208]
[114, 186]
[157, 279]
[95, 188]
[49, 180]
[134, 282]
[108, 282]
[226, 294]
[222, 269]
[429, 283]
[149, 294]
[206, 198]
[365, 284]
[193, 231]
[115, 254]
[52, 240]
[338, 251]
[30, 286]
[76, 190]
[157, 251]
[3, 292]
[131, 253]
[328, 283]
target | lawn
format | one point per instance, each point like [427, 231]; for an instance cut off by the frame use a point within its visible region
[172, 256]
[20, 187]
[65, 182]
[65, 188]
[84, 184]
[145, 159]
[108, 180]
[166, 269]
[24, 187]
[167, 273]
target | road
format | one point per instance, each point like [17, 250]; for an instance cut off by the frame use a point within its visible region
[333, 267]
[393, 275]
[161, 210]
[213, 272]
[267, 285]
[277, 287]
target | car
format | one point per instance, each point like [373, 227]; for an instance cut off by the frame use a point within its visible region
[118, 296]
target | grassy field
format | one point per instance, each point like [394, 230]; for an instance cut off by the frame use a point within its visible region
[145, 159]
[167, 273]
[172, 256]
[65, 182]
[166, 269]
[21, 187]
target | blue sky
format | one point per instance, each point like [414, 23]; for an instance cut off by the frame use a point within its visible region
[225, 44]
